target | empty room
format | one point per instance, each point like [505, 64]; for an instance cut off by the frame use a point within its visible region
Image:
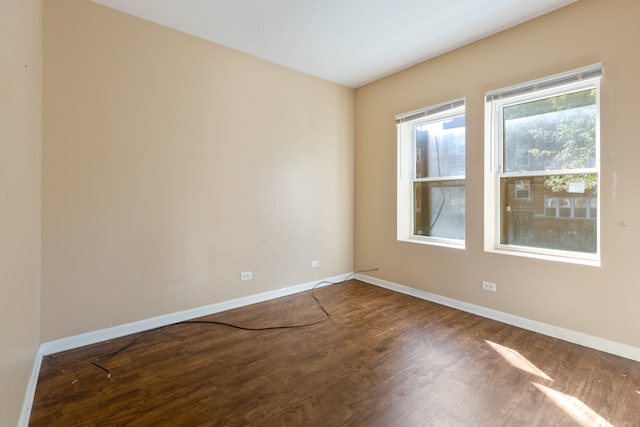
[367, 213]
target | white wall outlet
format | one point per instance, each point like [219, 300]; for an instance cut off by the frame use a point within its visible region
[488, 286]
[315, 264]
[246, 275]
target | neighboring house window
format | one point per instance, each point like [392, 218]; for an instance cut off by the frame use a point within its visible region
[431, 174]
[573, 207]
[542, 167]
[522, 189]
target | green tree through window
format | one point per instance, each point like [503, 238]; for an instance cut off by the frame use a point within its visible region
[564, 138]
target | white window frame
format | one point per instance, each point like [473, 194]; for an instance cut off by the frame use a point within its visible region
[406, 155]
[574, 80]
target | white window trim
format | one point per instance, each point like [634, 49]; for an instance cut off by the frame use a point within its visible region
[405, 170]
[581, 78]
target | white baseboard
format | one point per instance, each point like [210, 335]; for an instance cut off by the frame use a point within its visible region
[88, 338]
[568, 335]
[94, 337]
[181, 316]
[31, 391]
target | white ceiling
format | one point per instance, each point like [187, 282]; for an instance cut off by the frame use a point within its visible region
[350, 42]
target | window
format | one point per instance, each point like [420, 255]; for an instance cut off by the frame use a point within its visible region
[542, 167]
[431, 174]
[522, 189]
[573, 207]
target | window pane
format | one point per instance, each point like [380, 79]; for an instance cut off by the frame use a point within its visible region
[522, 189]
[553, 133]
[554, 217]
[593, 207]
[440, 148]
[439, 209]
[580, 207]
[551, 206]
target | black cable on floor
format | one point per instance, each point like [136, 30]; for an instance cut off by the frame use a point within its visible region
[95, 361]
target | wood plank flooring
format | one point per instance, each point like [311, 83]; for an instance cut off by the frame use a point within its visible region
[381, 359]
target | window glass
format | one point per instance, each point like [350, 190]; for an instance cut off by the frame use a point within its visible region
[553, 133]
[439, 194]
[431, 199]
[440, 148]
[440, 209]
[544, 145]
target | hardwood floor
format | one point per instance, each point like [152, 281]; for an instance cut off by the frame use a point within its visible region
[381, 359]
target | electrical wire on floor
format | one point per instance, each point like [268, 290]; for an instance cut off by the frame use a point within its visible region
[327, 316]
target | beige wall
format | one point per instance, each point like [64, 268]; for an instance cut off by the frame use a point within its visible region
[599, 301]
[171, 164]
[20, 149]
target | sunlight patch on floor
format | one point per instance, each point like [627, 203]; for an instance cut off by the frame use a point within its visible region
[575, 408]
[517, 360]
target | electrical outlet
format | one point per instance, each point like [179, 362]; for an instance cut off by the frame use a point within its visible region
[488, 286]
[315, 264]
[246, 275]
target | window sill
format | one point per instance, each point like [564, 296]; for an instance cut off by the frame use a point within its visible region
[446, 243]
